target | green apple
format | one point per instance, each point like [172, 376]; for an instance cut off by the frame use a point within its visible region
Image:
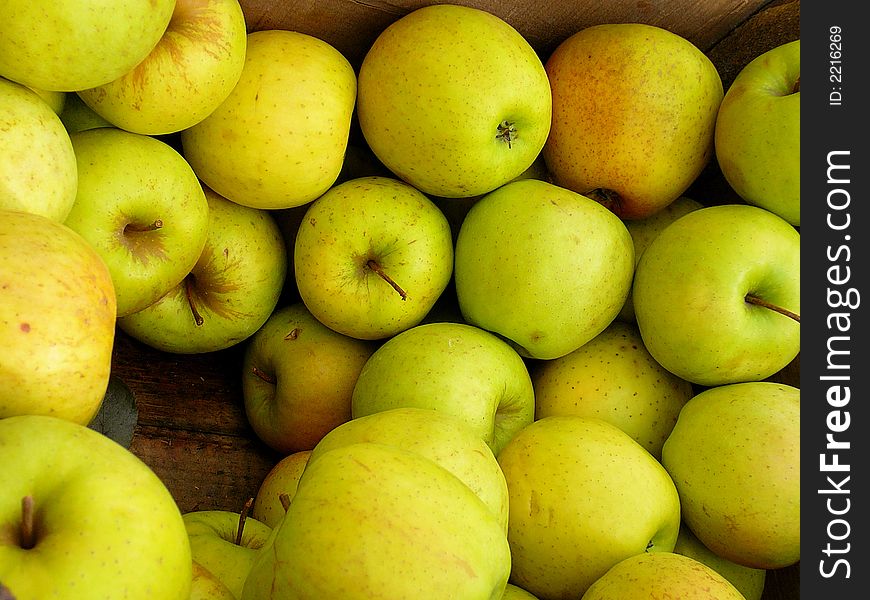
[57, 320]
[734, 455]
[38, 171]
[298, 377]
[454, 368]
[453, 100]
[141, 206]
[749, 581]
[228, 294]
[634, 114]
[542, 266]
[661, 575]
[206, 586]
[82, 517]
[717, 295]
[277, 489]
[371, 257]
[613, 377]
[278, 140]
[225, 543]
[758, 132]
[371, 520]
[191, 70]
[441, 437]
[78, 116]
[643, 231]
[583, 496]
[69, 46]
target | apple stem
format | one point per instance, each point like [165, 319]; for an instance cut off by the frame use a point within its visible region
[753, 299]
[243, 516]
[284, 499]
[507, 132]
[157, 224]
[609, 199]
[797, 86]
[263, 375]
[188, 292]
[28, 536]
[374, 266]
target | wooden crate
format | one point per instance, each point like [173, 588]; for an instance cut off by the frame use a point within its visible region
[192, 429]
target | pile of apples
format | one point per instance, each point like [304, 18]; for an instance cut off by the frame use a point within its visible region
[501, 351]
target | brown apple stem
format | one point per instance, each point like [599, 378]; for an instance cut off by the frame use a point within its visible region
[28, 536]
[263, 375]
[507, 132]
[284, 499]
[374, 266]
[188, 292]
[243, 516]
[609, 199]
[157, 224]
[753, 299]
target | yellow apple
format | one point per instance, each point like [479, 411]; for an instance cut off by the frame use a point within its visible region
[57, 320]
[454, 100]
[69, 46]
[278, 140]
[82, 517]
[38, 172]
[298, 377]
[613, 377]
[140, 205]
[229, 293]
[278, 488]
[206, 586]
[193, 68]
[734, 456]
[441, 437]
[661, 575]
[634, 112]
[749, 581]
[225, 543]
[582, 496]
[372, 256]
[370, 520]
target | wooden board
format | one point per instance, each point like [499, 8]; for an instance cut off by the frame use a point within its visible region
[192, 430]
[351, 26]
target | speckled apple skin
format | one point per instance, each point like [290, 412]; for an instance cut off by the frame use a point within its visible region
[734, 456]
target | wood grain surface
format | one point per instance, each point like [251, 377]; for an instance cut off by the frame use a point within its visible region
[192, 429]
[351, 26]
